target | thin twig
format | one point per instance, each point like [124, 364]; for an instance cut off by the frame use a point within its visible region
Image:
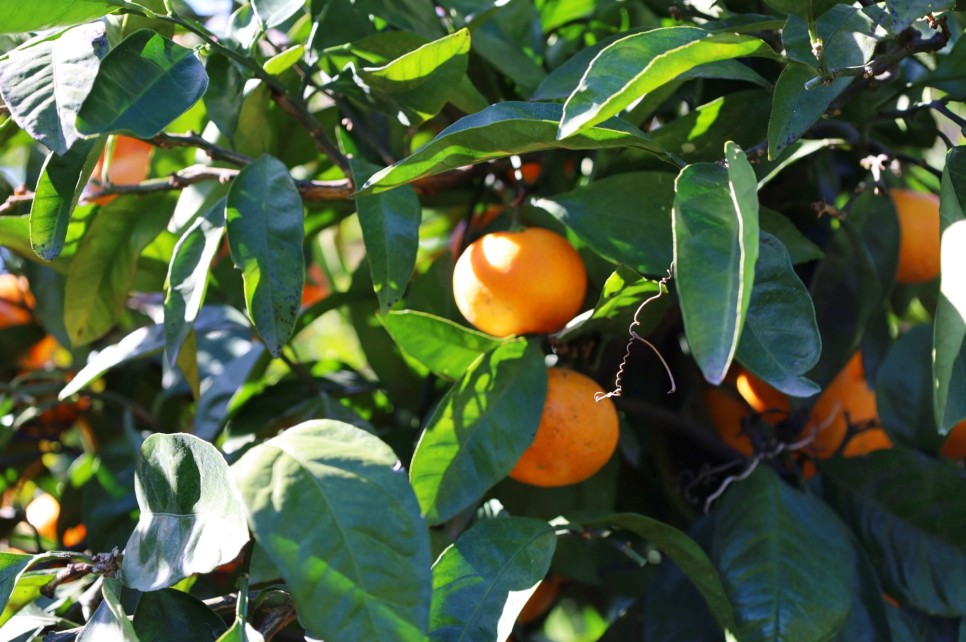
[191, 139]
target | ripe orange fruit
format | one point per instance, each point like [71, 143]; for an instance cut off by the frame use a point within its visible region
[866, 441]
[727, 415]
[542, 599]
[129, 166]
[16, 301]
[918, 214]
[42, 513]
[576, 437]
[509, 283]
[954, 446]
[849, 393]
[529, 170]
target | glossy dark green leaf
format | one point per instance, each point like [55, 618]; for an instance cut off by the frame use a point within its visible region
[419, 83]
[143, 84]
[867, 620]
[800, 248]
[479, 429]
[390, 229]
[848, 34]
[272, 13]
[684, 552]
[312, 494]
[104, 267]
[620, 300]
[188, 276]
[780, 341]
[417, 16]
[11, 566]
[445, 347]
[874, 218]
[905, 12]
[615, 78]
[610, 217]
[241, 631]
[795, 109]
[44, 85]
[20, 17]
[846, 294]
[62, 180]
[109, 623]
[903, 388]
[909, 511]
[950, 71]
[191, 521]
[785, 561]
[226, 84]
[265, 229]
[808, 9]
[502, 130]
[701, 135]
[169, 614]
[949, 343]
[481, 582]
[715, 250]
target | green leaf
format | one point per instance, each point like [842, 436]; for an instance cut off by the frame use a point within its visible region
[109, 623]
[615, 79]
[312, 494]
[481, 582]
[909, 511]
[191, 521]
[903, 388]
[419, 83]
[11, 566]
[949, 343]
[905, 12]
[272, 13]
[780, 341]
[848, 34]
[800, 248]
[785, 561]
[44, 85]
[846, 295]
[715, 250]
[607, 216]
[62, 180]
[105, 264]
[20, 17]
[390, 229]
[188, 276]
[684, 552]
[265, 228]
[502, 130]
[445, 347]
[241, 631]
[143, 84]
[479, 429]
[808, 9]
[170, 614]
[619, 305]
[795, 109]
[283, 61]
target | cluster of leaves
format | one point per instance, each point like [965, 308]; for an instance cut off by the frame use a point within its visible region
[250, 463]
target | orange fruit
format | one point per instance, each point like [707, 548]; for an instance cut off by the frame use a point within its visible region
[40, 355]
[16, 301]
[727, 415]
[577, 434]
[509, 283]
[954, 446]
[542, 599]
[761, 397]
[849, 393]
[42, 513]
[74, 535]
[530, 172]
[866, 441]
[918, 214]
[129, 166]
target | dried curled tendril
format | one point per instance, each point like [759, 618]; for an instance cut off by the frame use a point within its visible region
[616, 392]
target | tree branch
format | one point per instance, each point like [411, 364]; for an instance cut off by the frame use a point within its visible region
[191, 139]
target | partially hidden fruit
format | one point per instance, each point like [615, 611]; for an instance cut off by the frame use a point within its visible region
[531, 281]
[542, 599]
[577, 434]
[16, 301]
[129, 165]
[918, 214]
[42, 513]
[478, 222]
[848, 395]
[954, 446]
